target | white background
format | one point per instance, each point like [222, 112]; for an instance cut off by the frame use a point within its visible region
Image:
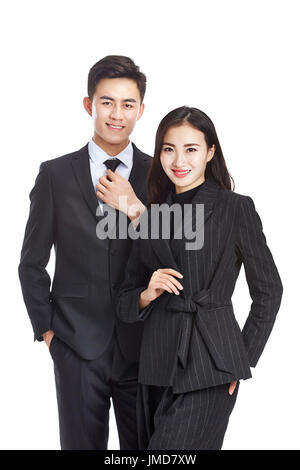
[235, 60]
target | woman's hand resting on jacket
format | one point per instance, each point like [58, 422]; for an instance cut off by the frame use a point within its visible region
[163, 279]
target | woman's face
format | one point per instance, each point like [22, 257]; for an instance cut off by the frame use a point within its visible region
[184, 156]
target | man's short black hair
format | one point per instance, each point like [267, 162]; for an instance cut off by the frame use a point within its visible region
[116, 66]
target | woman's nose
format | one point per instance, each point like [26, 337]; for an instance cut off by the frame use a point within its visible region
[179, 160]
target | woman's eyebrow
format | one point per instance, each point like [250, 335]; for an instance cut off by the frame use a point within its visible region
[173, 145]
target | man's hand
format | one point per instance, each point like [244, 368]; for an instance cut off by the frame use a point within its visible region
[232, 387]
[48, 335]
[118, 193]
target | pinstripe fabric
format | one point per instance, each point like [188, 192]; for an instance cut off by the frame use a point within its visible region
[194, 342]
[194, 420]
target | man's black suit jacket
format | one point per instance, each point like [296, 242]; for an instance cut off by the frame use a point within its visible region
[88, 271]
[193, 341]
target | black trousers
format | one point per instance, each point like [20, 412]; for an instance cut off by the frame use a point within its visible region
[194, 420]
[84, 389]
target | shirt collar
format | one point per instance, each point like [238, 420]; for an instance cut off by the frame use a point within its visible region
[98, 155]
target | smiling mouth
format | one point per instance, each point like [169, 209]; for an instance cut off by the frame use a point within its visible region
[181, 173]
[112, 126]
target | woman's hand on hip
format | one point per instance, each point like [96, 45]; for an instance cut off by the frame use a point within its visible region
[232, 387]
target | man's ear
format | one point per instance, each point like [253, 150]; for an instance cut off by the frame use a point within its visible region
[141, 111]
[87, 105]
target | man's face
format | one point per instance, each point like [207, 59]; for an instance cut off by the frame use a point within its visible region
[115, 108]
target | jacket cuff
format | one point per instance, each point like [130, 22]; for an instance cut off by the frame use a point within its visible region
[38, 332]
[143, 314]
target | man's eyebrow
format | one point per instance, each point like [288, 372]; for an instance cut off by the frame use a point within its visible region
[131, 100]
[173, 145]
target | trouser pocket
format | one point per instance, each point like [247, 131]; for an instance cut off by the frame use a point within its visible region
[52, 345]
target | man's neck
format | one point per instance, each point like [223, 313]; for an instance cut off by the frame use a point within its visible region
[110, 149]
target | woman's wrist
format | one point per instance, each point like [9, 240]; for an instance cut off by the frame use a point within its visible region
[144, 301]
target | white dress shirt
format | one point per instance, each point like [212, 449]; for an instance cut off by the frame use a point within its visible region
[98, 169]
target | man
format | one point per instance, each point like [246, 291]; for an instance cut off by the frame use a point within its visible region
[95, 355]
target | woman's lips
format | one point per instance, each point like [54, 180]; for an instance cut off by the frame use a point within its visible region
[181, 173]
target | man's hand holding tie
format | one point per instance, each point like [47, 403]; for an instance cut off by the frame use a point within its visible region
[118, 193]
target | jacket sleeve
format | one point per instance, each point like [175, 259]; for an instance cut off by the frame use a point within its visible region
[35, 254]
[136, 280]
[265, 286]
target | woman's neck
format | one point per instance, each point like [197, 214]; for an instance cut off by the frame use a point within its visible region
[180, 189]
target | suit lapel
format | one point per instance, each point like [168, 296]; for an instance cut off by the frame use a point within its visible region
[81, 168]
[167, 253]
[163, 251]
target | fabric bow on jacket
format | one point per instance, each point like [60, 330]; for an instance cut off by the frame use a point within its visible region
[196, 308]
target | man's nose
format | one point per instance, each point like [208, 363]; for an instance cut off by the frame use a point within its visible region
[116, 112]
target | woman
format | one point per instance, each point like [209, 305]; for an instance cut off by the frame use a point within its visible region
[193, 353]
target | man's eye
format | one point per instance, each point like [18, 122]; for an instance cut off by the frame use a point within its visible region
[192, 148]
[128, 105]
[106, 102]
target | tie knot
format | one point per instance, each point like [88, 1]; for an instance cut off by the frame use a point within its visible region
[112, 163]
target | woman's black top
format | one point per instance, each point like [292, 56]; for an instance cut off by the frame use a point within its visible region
[186, 196]
[183, 198]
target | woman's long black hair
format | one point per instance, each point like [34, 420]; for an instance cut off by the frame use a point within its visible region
[158, 183]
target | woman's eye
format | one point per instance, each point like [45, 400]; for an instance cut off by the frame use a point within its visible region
[166, 149]
[192, 149]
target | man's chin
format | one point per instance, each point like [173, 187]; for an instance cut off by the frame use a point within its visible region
[113, 140]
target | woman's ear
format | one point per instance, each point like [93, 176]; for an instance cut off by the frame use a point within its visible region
[211, 153]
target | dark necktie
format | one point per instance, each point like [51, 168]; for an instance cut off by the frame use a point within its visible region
[112, 163]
